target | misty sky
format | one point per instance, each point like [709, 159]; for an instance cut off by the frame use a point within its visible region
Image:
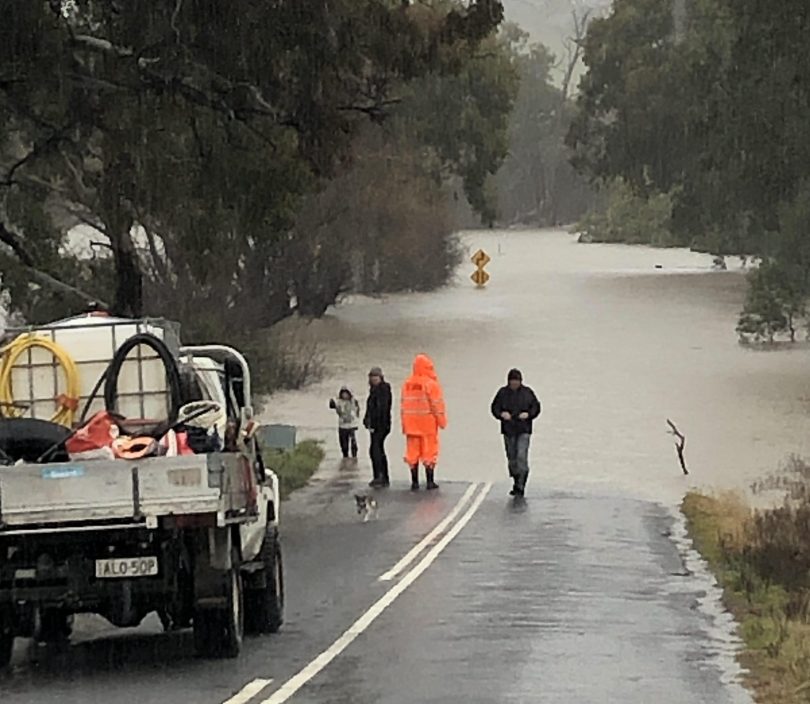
[548, 21]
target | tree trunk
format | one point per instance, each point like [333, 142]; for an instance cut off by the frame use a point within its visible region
[129, 287]
[128, 301]
[116, 214]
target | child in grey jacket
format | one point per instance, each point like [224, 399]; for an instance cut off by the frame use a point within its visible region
[348, 413]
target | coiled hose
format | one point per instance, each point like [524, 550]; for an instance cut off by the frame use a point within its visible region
[67, 403]
[169, 364]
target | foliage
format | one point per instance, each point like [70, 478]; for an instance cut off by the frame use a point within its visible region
[625, 216]
[193, 137]
[283, 359]
[464, 119]
[702, 111]
[762, 563]
[537, 184]
[714, 113]
[381, 225]
[295, 467]
[779, 289]
[772, 306]
[232, 112]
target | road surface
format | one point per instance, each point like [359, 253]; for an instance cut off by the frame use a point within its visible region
[566, 597]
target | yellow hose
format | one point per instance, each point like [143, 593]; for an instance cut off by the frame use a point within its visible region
[67, 403]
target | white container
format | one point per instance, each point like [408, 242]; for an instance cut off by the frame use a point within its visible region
[92, 341]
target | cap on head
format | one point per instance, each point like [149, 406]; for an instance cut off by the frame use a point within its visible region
[514, 375]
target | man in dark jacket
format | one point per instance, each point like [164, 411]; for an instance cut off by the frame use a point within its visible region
[378, 422]
[516, 406]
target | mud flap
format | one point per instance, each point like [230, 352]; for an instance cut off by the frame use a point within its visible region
[211, 566]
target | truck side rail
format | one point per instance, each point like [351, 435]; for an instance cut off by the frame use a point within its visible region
[119, 491]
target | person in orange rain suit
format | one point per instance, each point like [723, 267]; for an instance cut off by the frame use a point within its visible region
[423, 415]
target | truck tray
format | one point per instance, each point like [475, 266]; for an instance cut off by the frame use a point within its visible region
[116, 491]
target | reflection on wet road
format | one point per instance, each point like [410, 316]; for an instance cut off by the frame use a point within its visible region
[564, 599]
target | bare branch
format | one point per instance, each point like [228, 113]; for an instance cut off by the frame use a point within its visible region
[375, 109]
[679, 445]
[158, 261]
[84, 218]
[37, 150]
[84, 193]
[574, 47]
[13, 242]
[101, 46]
[178, 6]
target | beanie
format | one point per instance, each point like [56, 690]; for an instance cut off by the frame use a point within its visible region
[514, 374]
[376, 371]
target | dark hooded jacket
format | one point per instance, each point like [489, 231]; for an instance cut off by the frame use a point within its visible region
[378, 408]
[515, 402]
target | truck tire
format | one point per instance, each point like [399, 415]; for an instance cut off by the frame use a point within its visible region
[264, 603]
[218, 632]
[6, 637]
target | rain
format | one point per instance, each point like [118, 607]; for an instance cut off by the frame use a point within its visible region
[404, 351]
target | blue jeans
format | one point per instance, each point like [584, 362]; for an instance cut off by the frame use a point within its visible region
[517, 454]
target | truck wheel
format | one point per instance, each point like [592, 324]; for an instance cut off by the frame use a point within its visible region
[6, 637]
[264, 604]
[218, 632]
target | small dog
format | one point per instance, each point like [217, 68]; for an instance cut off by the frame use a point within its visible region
[366, 506]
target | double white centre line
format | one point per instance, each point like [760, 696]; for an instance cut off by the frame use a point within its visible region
[291, 686]
[250, 690]
[417, 549]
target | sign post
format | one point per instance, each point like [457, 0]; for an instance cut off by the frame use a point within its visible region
[479, 276]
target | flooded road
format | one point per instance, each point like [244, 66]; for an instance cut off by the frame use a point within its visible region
[588, 591]
[613, 347]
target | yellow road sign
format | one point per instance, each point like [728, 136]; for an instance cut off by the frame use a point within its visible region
[480, 277]
[480, 259]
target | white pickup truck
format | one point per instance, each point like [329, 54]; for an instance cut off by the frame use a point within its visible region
[194, 537]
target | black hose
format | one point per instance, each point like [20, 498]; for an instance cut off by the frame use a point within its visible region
[169, 364]
[91, 398]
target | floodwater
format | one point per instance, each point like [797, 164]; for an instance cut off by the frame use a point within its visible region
[613, 347]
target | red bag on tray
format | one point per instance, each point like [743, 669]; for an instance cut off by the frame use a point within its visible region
[93, 438]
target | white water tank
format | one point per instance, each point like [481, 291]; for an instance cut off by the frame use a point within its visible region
[91, 341]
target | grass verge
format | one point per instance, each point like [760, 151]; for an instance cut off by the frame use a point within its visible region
[766, 586]
[295, 467]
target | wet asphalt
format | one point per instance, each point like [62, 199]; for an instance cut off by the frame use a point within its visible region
[566, 597]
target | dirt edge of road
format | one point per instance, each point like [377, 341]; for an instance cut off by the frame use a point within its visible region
[772, 617]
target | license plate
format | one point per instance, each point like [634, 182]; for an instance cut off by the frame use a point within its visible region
[126, 567]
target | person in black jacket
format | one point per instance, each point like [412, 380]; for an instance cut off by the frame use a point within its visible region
[378, 422]
[516, 406]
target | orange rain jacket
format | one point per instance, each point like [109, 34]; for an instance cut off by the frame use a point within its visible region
[422, 400]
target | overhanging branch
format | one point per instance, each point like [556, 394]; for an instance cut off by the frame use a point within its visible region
[13, 242]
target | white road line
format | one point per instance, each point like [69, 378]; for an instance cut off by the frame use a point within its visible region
[291, 686]
[250, 690]
[415, 551]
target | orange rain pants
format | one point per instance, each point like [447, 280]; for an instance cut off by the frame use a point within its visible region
[422, 448]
